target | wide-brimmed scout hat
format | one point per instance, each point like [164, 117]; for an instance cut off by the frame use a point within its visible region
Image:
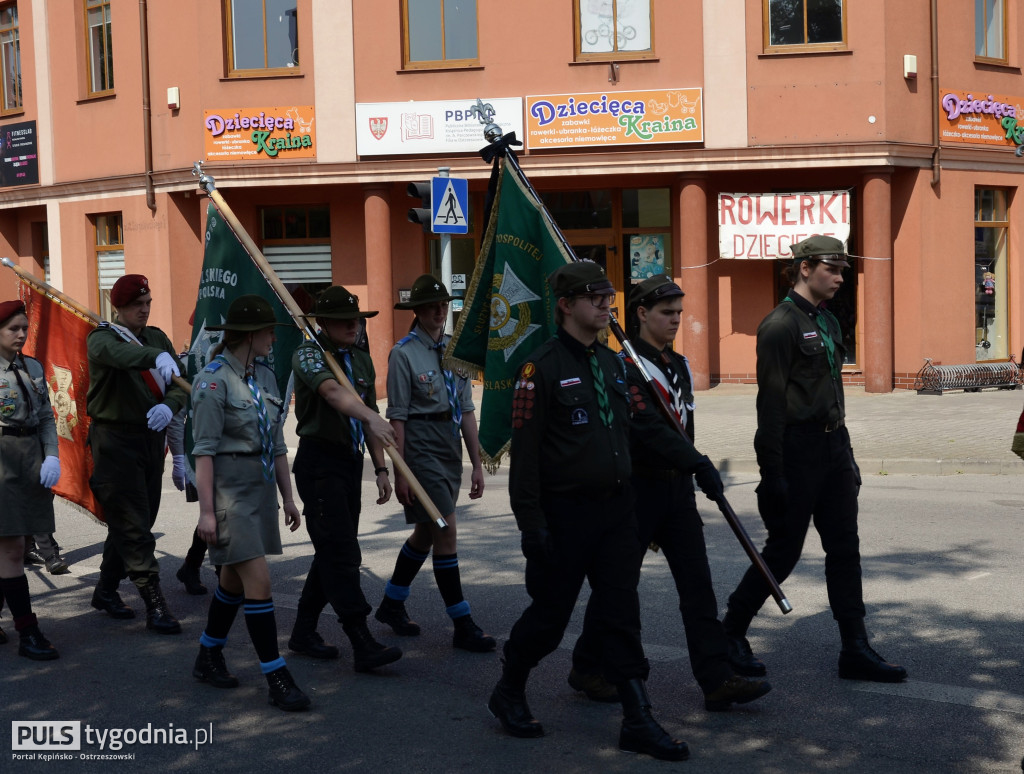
[427, 289]
[825, 248]
[580, 277]
[248, 313]
[336, 303]
[652, 290]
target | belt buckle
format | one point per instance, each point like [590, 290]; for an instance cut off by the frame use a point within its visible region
[833, 426]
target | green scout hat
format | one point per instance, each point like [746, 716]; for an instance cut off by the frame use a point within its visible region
[825, 248]
[652, 290]
[580, 277]
[248, 313]
[427, 289]
[336, 303]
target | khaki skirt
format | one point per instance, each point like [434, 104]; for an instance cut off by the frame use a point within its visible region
[27, 506]
[245, 505]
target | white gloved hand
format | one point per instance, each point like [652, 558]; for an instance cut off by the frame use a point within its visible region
[159, 417]
[167, 366]
[178, 472]
[49, 472]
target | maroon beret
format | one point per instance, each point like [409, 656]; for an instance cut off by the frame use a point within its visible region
[10, 308]
[127, 289]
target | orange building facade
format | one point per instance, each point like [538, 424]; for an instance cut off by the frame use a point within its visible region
[696, 138]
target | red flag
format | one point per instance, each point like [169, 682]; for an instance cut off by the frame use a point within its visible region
[56, 338]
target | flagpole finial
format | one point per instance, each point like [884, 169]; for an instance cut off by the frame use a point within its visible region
[206, 182]
[484, 112]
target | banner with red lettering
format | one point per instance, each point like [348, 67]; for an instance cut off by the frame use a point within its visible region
[56, 338]
[763, 226]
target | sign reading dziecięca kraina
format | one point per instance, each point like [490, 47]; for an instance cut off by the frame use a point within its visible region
[251, 134]
[981, 118]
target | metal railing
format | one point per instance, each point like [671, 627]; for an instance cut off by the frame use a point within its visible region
[971, 377]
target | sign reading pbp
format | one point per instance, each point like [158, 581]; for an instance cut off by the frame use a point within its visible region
[449, 203]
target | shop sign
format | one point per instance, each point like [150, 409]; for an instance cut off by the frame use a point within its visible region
[763, 226]
[441, 126]
[615, 118]
[260, 133]
[981, 119]
[19, 164]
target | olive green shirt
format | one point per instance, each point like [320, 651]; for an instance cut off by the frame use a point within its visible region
[32, 410]
[316, 418]
[117, 391]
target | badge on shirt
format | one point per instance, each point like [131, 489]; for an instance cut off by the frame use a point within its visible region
[570, 381]
[579, 417]
[4, 383]
[7, 407]
[810, 334]
[529, 370]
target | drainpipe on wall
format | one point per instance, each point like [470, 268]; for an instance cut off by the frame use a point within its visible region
[147, 119]
[936, 167]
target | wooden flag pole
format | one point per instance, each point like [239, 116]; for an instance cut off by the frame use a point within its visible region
[74, 306]
[208, 184]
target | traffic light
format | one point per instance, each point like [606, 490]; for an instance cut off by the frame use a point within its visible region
[422, 214]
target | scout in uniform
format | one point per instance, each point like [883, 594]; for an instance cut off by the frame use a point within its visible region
[333, 427]
[664, 467]
[806, 462]
[131, 401]
[572, 500]
[430, 407]
[29, 466]
[238, 427]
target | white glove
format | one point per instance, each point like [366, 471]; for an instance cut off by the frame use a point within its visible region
[178, 472]
[167, 366]
[49, 472]
[159, 416]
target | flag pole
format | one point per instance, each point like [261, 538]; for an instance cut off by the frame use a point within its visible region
[500, 145]
[208, 184]
[49, 290]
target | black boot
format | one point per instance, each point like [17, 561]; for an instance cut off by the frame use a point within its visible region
[859, 661]
[189, 576]
[741, 657]
[50, 550]
[392, 612]
[640, 731]
[284, 693]
[35, 646]
[508, 700]
[158, 617]
[306, 640]
[369, 654]
[109, 601]
[593, 685]
[469, 636]
[211, 668]
[735, 690]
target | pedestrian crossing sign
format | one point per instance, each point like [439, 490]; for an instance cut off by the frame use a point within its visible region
[449, 204]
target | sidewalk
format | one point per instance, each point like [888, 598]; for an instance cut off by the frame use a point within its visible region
[897, 432]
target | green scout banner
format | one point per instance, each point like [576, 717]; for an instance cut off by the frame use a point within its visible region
[509, 307]
[229, 272]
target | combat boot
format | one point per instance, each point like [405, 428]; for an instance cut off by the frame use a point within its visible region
[158, 617]
[189, 576]
[211, 668]
[50, 551]
[640, 731]
[735, 690]
[35, 646]
[508, 700]
[284, 693]
[594, 686]
[859, 661]
[392, 613]
[110, 602]
[369, 654]
[469, 636]
[306, 640]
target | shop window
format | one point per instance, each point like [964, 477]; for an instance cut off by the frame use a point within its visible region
[99, 48]
[612, 30]
[990, 283]
[439, 33]
[804, 25]
[297, 244]
[990, 30]
[262, 35]
[109, 258]
[10, 59]
[646, 233]
[580, 209]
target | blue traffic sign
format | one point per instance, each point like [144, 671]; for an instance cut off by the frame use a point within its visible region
[449, 205]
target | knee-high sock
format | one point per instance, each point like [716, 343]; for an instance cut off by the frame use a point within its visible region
[259, 619]
[407, 565]
[223, 609]
[449, 583]
[196, 552]
[16, 592]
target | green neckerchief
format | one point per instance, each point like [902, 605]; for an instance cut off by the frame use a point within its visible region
[826, 337]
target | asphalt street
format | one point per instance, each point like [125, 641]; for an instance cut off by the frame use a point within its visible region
[941, 560]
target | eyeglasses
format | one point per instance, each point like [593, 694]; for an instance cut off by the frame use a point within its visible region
[597, 300]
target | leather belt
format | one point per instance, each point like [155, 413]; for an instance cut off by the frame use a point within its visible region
[18, 431]
[440, 416]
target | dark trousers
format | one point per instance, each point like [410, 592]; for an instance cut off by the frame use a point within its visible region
[596, 540]
[666, 512]
[127, 477]
[329, 481]
[823, 485]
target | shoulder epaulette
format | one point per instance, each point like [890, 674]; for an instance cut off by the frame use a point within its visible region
[404, 340]
[212, 367]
